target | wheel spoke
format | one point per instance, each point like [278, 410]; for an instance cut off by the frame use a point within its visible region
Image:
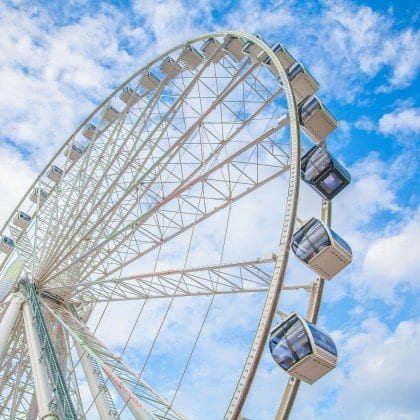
[238, 277]
[111, 363]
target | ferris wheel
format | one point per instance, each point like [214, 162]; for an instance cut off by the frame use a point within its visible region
[135, 214]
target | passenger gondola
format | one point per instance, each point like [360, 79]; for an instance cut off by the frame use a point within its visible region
[323, 173]
[254, 51]
[74, 152]
[170, 67]
[233, 46]
[286, 60]
[90, 131]
[128, 96]
[212, 50]
[303, 83]
[38, 196]
[6, 244]
[55, 173]
[321, 249]
[302, 349]
[316, 120]
[22, 219]
[191, 58]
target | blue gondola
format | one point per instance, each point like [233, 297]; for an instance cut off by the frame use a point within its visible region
[321, 249]
[323, 173]
[302, 349]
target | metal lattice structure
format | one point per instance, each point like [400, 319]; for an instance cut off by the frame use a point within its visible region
[190, 135]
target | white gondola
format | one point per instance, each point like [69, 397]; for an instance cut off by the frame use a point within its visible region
[302, 349]
[317, 122]
[283, 55]
[323, 173]
[128, 96]
[38, 195]
[22, 220]
[6, 244]
[254, 51]
[110, 114]
[55, 173]
[233, 47]
[170, 67]
[321, 249]
[90, 131]
[149, 81]
[74, 152]
[303, 83]
[191, 58]
[212, 50]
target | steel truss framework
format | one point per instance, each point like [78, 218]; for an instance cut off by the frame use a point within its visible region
[154, 166]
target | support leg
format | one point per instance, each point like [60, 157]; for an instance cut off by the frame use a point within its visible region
[9, 319]
[43, 392]
[94, 386]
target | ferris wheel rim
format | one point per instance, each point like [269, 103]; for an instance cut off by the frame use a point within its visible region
[293, 122]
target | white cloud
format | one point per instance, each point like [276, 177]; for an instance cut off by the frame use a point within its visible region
[376, 378]
[380, 373]
[365, 123]
[51, 77]
[369, 41]
[401, 122]
[16, 175]
[391, 262]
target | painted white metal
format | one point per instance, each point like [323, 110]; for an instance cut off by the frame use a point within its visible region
[42, 389]
[292, 387]
[270, 305]
[134, 405]
[8, 321]
[95, 390]
[70, 238]
[112, 365]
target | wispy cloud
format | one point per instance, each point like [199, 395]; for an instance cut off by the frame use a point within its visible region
[402, 121]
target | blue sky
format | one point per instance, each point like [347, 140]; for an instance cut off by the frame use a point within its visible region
[57, 61]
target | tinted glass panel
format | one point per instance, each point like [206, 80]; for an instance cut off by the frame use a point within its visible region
[295, 70]
[318, 163]
[331, 183]
[341, 241]
[322, 339]
[290, 343]
[343, 171]
[8, 241]
[309, 240]
[308, 108]
[24, 216]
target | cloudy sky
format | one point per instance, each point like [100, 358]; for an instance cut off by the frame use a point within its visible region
[57, 61]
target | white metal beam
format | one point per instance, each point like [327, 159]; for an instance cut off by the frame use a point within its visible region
[9, 319]
[96, 390]
[42, 388]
